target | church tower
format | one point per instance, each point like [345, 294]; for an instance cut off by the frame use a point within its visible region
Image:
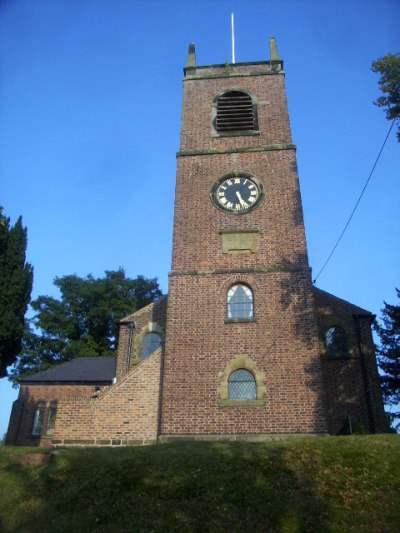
[243, 347]
[241, 352]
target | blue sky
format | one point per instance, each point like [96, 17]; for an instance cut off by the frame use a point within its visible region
[90, 100]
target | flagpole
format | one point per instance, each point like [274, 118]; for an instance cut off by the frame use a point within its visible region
[233, 38]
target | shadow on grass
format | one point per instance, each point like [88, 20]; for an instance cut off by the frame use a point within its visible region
[183, 487]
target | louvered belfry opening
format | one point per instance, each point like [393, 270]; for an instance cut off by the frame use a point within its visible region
[235, 112]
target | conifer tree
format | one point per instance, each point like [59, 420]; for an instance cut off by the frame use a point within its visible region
[389, 356]
[16, 277]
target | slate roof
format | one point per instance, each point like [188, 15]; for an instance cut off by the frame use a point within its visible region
[354, 307]
[83, 369]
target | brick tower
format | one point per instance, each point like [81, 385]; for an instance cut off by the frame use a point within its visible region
[243, 347]
[241, 352]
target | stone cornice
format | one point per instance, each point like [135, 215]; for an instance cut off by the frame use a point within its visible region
[288, 267]
[190, 76]
[244, 149]
[233, 70]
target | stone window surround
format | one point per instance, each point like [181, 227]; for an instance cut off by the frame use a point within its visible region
[241, 361]
[215, 133]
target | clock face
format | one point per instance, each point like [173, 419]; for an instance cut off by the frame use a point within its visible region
[236, 194]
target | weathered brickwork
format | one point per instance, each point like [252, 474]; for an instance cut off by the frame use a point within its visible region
[282, 339]
[151, 318]
[125, 413]
[257, 79]
[91, 414]
[23, 411]
[351, 381]
[278, 219]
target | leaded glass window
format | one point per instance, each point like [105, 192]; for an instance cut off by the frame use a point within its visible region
[335, 339]
[240, 302]
[51, 419]
[151, 342]
[242, 385]
[38, 419]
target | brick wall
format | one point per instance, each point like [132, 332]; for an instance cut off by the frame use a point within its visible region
[94, 414]
[126, 413]
[22, 414]
[351, 380]
[282, 339]
[150, 318]
[278, 219]
[199, 94]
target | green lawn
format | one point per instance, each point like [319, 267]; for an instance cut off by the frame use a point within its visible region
[338, 484]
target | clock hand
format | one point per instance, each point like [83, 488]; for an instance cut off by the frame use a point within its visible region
[239, 196]
[242, 202]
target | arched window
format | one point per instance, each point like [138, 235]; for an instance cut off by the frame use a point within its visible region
[235, 113]
[38, 419]
[151, 342]
[242, 385]
[335, 340]
[51, 418]
[240, 302]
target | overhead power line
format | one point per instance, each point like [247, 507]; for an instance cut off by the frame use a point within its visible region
[357, 203]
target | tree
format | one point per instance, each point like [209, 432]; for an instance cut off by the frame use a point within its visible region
[84, 321]
[389, 68]
[16, 277]
[389, 355]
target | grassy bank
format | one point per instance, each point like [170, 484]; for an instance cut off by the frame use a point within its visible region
[338, 484]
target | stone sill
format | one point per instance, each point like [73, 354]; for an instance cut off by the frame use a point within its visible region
[241, 403]
[239, 320]
[253, 133]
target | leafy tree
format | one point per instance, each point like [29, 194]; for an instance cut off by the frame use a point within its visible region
[389, 355]
[16, 276]
[84, 321]
[389, 68]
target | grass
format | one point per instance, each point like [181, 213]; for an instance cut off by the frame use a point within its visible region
[335, 484]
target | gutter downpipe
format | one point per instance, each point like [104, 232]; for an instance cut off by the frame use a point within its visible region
[131, 327]
[161, 389]
[357, 319]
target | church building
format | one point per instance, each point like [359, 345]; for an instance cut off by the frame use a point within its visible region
[243, 346]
